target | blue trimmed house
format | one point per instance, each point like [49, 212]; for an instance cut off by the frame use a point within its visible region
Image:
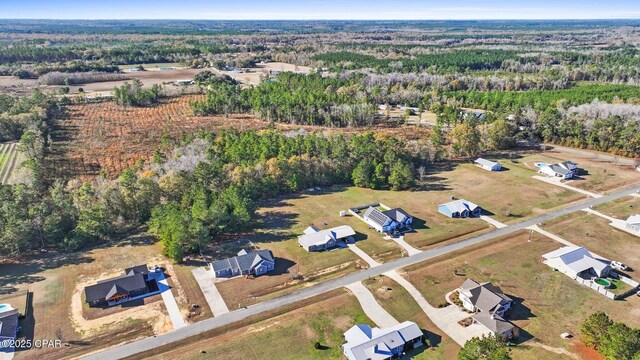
[460, 209]
[246, 263]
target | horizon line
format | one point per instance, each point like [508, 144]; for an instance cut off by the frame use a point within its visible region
[324, 19]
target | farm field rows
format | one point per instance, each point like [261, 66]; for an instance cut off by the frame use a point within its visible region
[97, 137]
[8, 160]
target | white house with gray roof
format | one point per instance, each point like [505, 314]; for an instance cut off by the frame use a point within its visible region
[365, 343]
[460, 209]
[319, 240]
[577, 262]
[246, 263]
[387, 221]
[490, 305]
[633, 223]
[565, 170]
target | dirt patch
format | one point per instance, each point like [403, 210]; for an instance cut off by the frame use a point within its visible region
[153, 312]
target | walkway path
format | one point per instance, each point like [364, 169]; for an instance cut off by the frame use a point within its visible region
[557, 238]
[493, 222]
[150, 343]
[446, 319]
[558, 182]
[616, 223]
[169, 301]
[363, 255]
[205, 279]
[405, 245]
[370, 306]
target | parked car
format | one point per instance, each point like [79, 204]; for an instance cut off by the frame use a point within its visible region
[619, 266]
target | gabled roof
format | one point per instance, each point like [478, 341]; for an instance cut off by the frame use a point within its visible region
[323, 236]
[138, 269]
[397, 214]
[493, 322]
[460, 206]
[244, 262]
[562, 168]
[376, 216]
[577, 259]
[486, 162]
[105, 289]
[634, 220]
[365, 342]
[484, 296]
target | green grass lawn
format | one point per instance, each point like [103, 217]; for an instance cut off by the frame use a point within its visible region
[595, 233]
[621, 208]
[397, 301]
[290, 336]
[548, 303]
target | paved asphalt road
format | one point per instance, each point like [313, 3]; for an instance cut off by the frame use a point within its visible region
[234, 316]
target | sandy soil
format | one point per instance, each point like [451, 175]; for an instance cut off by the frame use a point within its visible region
[155, 312]
[11, 85]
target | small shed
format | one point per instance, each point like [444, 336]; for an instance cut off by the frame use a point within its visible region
[488, 164]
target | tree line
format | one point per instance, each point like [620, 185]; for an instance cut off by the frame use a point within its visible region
[196, 192]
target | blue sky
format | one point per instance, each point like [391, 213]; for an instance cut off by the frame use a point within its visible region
[319, 9]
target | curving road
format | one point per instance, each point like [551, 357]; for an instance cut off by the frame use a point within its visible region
[150, 343]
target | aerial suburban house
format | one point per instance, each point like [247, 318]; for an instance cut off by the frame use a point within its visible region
[8, 325]
[319, 240]
[488, 165]
[490, 305]
[633, 223]
[387, 221]
[366, 343]
[246, 263]
[460, 209]
[565, 170]
[577, 262]
[120, 289]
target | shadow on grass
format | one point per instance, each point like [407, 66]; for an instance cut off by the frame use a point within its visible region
[24, 271]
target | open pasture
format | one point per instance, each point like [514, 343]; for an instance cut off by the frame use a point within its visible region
[549, 303]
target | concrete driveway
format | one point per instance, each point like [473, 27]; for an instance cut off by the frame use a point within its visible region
[558, 182]
[169, 300]
[6, 355]
[370, 306]
[205, 279]
[149, 343]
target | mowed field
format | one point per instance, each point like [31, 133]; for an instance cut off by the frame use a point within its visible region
[510, 195]
[621, 208]
[595, 233]
[597, 175]
[548, 303]
[289, 335]
[55, 279]
[8, 160]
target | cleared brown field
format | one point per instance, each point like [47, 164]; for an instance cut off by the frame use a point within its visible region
[103, 137]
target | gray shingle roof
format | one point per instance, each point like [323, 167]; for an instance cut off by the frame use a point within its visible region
[493, 322]
[397, 214]
[123, 284]
[484, 296]
[242, 262]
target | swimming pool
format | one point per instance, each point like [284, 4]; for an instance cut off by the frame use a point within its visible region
[540, 164]
[5, 307]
